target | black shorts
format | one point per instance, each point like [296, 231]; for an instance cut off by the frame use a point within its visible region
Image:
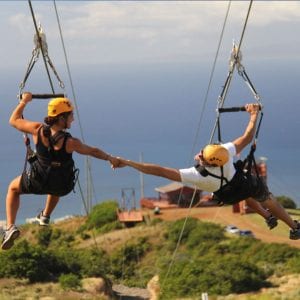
[242, 187]
[54, 181]
[27, 186]
[262, 192]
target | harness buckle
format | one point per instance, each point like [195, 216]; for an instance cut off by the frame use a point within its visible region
[32, 158]
[55, 164]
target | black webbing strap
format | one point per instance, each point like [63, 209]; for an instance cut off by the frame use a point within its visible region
[219, 130]
[242, 72]
[204, 172]
[250, 161]
[29, 152]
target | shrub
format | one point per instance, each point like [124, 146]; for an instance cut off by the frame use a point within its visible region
[102, 214]
[27, 261]
[44, 236]
[240, 246]
[273, 253]
[94, 262]
[69, 260]
[56, 234]
[286, 202]
[57, 237]
[293, 264]
[217, 276]
[175, 229]
[85, 236]
[125, 260]
[70, 282]
[205, 233]
[110, 227]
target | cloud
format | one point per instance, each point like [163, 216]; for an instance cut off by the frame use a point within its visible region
[140, 19]
[20, 22]
[270, 12]
[171, 17]
[118, 31]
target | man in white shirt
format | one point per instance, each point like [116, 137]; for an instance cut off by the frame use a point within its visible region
[217, 160]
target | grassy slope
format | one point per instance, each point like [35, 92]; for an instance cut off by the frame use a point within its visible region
[288, 286]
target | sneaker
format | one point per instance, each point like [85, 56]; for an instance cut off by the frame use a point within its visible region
[271, 222]
[9, 237]
[295, 233]
[43, 221]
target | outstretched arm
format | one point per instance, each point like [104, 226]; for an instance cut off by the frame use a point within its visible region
[242, 141]
[74, 144]
[151, 169]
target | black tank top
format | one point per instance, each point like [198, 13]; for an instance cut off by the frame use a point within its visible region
[48, 154]
[53, 171]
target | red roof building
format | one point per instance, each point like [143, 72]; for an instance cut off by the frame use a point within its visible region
[172, 195]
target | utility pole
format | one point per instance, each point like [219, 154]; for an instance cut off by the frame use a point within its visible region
[142, 177]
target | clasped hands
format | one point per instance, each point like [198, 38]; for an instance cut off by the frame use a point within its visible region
[117, 162]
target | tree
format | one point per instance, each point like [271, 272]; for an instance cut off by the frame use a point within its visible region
[102, 214]
[286, 202]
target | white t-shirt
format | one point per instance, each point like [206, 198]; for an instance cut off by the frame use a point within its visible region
[210, 184]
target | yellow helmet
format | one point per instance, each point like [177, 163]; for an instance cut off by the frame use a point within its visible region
[58, 106]
[215, 154]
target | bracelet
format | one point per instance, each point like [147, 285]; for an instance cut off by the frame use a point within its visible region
[22, 101]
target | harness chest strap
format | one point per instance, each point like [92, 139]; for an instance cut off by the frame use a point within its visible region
[53, 140]
[204, 172]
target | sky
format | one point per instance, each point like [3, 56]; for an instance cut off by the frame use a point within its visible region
[138, 56]
[105, 32]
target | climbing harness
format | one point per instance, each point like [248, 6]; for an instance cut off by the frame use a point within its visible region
[51, 171]
[243, 185]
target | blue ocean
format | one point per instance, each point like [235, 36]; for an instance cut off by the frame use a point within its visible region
[157, 113]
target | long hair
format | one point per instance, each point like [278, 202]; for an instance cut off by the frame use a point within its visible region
[50, 121]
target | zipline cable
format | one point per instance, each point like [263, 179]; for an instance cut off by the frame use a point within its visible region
[85, 204]
[178, 241]
[41, 45]
[188, 215]
[209, 84]
[195, 141]
[206, 94]
[223, 95]
[68, 69]
[88, 160]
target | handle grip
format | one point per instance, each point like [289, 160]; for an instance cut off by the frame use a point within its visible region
[233, 109]
[46, 96]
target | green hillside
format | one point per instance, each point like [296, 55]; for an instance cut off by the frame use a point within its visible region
[205, 260]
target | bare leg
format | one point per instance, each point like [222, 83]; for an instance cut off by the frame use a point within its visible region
[258, 208]
[51, 203]
[12, 201]
[278, 211]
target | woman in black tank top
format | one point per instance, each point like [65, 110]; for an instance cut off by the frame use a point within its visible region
[52, 170]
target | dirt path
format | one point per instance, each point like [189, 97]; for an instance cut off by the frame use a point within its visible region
[224, 216]
[221, 215]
